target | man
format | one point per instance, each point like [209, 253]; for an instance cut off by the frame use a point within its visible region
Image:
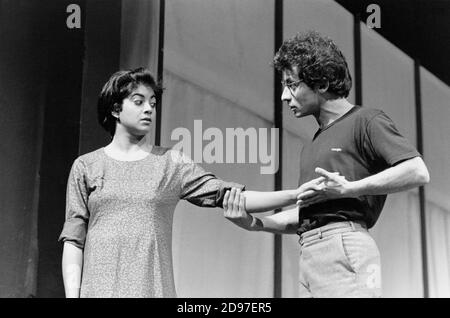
[359, 157]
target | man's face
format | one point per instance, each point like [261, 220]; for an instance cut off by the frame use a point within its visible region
[138, 110]
[302, 100]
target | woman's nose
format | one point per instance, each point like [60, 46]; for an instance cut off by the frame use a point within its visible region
[147, 107]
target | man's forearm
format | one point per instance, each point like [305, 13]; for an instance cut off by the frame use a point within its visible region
[404, 176]
[285, 222]
[256, 201]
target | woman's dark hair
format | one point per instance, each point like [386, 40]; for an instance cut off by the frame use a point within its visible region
[319, 61]
[120, 85]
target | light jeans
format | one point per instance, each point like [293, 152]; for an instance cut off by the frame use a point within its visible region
[339, 259]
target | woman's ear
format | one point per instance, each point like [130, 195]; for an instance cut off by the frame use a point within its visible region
[116, 110]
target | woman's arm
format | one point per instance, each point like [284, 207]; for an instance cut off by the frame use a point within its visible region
[257, 201]
[234, 205]
[72, 264]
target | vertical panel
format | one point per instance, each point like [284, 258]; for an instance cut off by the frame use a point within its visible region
[278, 120]
[217, 70]
[98, 67]
[23, 69]
[139, 43]
[438, 239]
[290, 259]
[60, 141]
[330, 19]
[436, 132]
[388, 84]
[436, 144]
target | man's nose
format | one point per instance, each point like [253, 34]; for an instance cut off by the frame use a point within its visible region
[286, 95]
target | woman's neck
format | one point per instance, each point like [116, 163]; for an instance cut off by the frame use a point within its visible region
[127, 146]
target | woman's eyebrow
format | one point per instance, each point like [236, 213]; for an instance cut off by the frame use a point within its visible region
[137, 94]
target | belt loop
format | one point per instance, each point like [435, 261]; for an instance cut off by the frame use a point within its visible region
[353, 226]
[320, 233]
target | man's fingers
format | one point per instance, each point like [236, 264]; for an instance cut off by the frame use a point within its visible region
[308, 202]
[329, 175]
[307, 194]
[318, 180]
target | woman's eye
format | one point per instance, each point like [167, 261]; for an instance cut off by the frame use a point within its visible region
[138, 102]
[153, 104]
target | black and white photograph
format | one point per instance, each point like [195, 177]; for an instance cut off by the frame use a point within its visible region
[237, 150]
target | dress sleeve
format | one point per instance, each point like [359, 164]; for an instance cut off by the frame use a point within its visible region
[385, 143]
[200, 187]
[77, 213]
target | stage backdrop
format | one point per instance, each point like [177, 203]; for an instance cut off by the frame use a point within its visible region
[436, 141]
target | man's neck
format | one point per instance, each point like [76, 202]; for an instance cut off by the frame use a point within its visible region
[331, 110]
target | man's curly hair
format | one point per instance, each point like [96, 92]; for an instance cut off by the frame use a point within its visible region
[319, 61]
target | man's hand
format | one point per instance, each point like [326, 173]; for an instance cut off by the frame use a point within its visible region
[333, 186]
[234, 209]
[310, 186]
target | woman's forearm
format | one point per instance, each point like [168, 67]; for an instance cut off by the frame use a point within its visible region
[72, 265]
[256, 201]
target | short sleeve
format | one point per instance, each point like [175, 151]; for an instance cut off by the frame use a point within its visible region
[77, 213]
[200, 187]
[385, 144]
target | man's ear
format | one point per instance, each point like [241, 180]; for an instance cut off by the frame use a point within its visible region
[323, 87]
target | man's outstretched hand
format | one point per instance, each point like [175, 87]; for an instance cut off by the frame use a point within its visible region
[332, 186]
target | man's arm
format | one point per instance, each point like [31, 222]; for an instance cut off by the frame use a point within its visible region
[406, 175]
[72, 264]
[234, 205]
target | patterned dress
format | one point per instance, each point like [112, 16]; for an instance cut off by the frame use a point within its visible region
[121, 214]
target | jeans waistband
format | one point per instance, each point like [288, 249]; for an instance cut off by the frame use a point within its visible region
[330, 229]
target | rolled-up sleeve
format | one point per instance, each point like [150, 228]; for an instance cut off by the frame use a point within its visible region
[200, 187]
[77, 213]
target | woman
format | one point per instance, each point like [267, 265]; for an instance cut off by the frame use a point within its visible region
[121, 198]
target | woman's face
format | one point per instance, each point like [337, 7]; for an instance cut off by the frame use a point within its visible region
[138, 111]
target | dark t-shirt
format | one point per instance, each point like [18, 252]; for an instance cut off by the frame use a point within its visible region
[361, 143]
